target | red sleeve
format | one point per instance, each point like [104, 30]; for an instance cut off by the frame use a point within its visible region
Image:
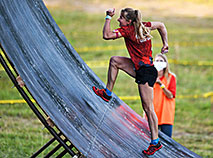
[147, 24]
[172, 85]
[123, 30]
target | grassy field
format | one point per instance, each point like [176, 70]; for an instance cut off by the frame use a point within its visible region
[190, 39]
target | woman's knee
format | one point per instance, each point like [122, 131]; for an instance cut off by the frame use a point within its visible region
[114, 61]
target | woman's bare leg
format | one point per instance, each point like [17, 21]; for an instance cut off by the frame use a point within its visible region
[146, 94]
[116, 63]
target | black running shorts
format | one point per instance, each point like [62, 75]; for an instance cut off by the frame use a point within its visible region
[146, 74]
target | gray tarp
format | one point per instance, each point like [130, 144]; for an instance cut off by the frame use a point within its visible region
[61, 83]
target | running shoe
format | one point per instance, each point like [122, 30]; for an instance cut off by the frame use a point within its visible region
[152, 149]
[101, 93]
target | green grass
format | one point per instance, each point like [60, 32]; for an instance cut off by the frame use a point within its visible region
[193, 125]
[21, 133]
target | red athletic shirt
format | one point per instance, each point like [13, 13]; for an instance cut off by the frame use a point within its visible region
[139, 51]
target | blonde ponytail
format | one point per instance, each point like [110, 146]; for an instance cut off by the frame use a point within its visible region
[141, 31]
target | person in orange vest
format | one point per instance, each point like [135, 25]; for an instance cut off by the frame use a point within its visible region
[164, 94]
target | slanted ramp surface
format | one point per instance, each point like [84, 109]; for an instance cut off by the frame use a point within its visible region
[61, 83]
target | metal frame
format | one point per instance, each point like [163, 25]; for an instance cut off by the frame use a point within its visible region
[56, 136]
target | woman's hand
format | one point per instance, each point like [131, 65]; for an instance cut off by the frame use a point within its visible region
[110, 12]
[158, 81]
[165, 49]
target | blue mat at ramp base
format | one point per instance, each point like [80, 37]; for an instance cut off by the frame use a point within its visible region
[61, 83]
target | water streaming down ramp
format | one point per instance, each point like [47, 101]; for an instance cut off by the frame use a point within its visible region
[61, 82]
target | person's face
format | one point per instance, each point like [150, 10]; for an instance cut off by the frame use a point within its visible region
[122, 21]
[159, 59]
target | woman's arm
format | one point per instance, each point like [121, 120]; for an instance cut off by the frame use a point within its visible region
[163, 33]
[170, 92]
[167, 92]
[107, 33]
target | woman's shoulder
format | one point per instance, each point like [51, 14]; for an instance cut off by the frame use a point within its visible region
[126, 31]
[172, 74]
[147, 24]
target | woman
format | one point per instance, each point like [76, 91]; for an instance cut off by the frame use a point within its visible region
[164, 95]
[140, 66]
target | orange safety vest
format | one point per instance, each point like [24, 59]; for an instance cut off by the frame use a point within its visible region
[163, 106]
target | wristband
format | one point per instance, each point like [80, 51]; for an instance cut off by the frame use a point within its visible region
[108, 17]
[162, 86]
